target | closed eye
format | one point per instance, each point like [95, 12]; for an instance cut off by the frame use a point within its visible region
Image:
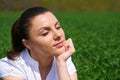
[44, 34]
[58, 27]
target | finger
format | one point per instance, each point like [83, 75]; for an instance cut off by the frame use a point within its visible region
[67, 45]
[71, 46]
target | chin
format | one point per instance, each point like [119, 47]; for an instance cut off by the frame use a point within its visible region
[60, 51]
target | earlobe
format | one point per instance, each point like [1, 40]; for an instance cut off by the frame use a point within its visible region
[26, 43]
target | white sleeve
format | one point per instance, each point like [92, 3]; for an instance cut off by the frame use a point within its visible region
[71, 66]
[6, 69]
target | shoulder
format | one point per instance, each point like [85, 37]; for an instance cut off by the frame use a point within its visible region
[69, 61]
[17, 63]
[10, 67]
[5, 67]
[4, 62]
[8, 62]
[70, 65]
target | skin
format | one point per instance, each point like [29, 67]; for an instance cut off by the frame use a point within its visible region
[47, 39]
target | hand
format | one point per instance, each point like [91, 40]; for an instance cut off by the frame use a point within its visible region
[69, 50]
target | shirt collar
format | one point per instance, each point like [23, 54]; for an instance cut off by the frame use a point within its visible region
[33, 63]
[29, 59]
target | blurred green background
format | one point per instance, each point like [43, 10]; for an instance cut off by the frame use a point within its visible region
[62, 5]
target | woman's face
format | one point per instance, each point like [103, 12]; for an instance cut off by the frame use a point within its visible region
[46, 35]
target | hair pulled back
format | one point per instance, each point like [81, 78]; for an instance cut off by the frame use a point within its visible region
[20, 30]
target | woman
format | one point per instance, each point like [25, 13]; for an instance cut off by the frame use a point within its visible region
[40, 51]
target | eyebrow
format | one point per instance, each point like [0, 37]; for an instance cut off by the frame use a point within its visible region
[41, 29]
[57, 23]
[47, 27]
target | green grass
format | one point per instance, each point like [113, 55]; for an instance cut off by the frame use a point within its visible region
[96, 37]
[6, 21]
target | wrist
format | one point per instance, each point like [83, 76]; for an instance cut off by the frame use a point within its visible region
[60, 62]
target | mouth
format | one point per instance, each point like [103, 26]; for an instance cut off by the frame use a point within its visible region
[59, 44]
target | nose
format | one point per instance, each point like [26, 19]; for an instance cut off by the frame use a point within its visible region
[57, 35]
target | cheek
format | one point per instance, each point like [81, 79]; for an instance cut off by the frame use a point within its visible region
[41, 47]
[40, 42]
[45, 43]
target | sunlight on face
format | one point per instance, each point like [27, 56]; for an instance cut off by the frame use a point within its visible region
[46, 35]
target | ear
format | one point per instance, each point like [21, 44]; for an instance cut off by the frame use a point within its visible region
[26, 43]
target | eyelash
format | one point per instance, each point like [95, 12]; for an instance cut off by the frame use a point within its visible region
[58, 27]
[44, 34]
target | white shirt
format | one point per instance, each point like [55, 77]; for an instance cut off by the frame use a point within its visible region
[27, 68]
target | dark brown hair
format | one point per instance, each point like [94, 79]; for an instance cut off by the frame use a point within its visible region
[20, 30]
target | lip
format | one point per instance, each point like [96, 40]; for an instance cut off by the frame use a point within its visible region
[59, 44]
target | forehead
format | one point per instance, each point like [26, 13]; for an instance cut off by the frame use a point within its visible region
[44, 19]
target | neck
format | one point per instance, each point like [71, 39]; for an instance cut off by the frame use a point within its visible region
[45, 66]
[45, 62]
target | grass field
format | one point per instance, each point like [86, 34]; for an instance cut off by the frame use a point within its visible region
[96, 37]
